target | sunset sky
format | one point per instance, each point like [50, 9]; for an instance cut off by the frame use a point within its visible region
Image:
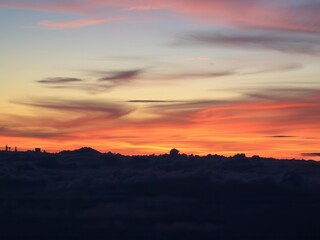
[144, 76]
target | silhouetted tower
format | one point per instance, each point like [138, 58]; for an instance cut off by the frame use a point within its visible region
[7, 148]
[15, 149]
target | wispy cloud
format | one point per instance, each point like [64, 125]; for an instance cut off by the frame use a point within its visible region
[311, 154]
[297, 16]
[59, 80]
[72, 24]
[153, 101]
[63, 117]
[282, 136]
[31, 132]
[104, 81]
[80, 106]
[252, 41]
[110, 80]
[122, 76]
[265, 120]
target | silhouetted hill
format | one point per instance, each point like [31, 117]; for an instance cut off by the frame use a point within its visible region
[84, 194]
[83, 150]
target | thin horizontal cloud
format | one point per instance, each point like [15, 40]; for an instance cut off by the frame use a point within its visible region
[88, 87]
[282, 136]
[278, 69]
[276, 42]
[31, 132]
[280, 93]
[153, 101]
[110, 81]
[72, 24]
[59, 80]
[62, 118]
[122, 76]
[197, 75]
[311, 154]
[113, 79]
[81, 106]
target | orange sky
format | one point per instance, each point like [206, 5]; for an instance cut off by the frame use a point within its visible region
[142, 77]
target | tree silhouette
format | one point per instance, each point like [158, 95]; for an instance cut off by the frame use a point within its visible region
[174, 152]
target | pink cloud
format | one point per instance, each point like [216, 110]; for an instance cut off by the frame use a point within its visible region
[250, 13]
[72, 24]
[302, 17]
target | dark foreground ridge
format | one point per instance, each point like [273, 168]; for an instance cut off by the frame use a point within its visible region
[85, 194]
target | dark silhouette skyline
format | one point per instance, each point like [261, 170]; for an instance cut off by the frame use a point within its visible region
[86, 194]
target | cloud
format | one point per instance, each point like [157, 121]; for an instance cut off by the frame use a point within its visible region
[282, 136]
[72, 24]
[81, 106]
[197, 75]
[310, 154]
[31, 132]
[153, 101]
[113, 79]
[64, 116]
[89, 87]
[260, 14]
[278, 69]
[109, 81]
[297, 16]
[280, 113]
[276, 42]
[59, 80]
[122, 76]
[263, 122]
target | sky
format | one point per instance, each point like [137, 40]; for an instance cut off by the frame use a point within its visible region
[145, 76]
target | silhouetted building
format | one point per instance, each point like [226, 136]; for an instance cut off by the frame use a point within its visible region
[37, 150]
[15, 149]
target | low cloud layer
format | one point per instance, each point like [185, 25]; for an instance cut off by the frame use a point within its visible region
[311, 154]
[268, 119]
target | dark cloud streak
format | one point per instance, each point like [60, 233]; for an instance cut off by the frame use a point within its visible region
[112, 109]
[153, 101]
[60, 80]
[122, 76]
[310, 154]
[276, 42]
